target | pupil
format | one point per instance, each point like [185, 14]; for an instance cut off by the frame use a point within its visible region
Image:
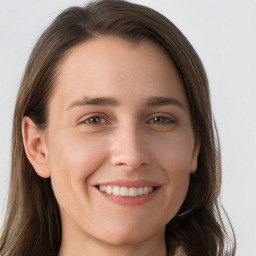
[157, 119]
[94, 120]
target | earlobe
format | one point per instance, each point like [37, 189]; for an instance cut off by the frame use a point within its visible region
[35, 147]
[195, 156]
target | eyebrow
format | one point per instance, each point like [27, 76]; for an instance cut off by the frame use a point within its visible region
[102, 101]
[109, 101]
[162, 101]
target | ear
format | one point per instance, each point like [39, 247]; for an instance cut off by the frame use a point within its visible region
[195, 155]
[35, 147]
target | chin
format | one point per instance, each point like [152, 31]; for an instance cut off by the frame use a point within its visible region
[128, 239]
[131, 235]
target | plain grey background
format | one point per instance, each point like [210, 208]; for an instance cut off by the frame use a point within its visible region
[223, 33]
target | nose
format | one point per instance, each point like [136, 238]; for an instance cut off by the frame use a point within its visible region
[129, 148]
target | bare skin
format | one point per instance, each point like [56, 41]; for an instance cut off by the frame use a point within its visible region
[118, 117]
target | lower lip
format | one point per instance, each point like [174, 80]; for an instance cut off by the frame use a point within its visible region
[130, 200]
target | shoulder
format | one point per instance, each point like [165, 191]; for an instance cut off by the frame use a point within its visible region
[180, 252]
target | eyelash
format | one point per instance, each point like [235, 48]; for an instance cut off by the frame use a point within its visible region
[87, 121]
[165, 120]
[155, 120]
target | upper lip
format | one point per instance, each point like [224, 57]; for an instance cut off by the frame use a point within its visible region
[130, 183]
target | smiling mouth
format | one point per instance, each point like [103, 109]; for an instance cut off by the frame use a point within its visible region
[125, 191]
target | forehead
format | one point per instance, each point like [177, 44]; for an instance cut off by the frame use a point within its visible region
[114, 66]
[115, 52]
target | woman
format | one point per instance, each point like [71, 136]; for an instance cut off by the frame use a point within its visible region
[114, 149]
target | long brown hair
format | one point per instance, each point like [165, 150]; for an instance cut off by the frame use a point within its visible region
[32, 224]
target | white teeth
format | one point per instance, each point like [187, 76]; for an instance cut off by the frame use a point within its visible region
[116, 191]
[150, 189]
[133, 191]
[108, 190]
[145, 190]
[124, 191]
[140, 191]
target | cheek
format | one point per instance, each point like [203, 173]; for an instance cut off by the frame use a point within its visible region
[175, 153]
[72, 159]
[77, 153]
[177, 165]
[174, 157]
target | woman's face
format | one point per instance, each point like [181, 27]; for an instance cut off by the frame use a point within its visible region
[119, 143]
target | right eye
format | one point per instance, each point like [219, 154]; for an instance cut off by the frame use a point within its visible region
[95, 120]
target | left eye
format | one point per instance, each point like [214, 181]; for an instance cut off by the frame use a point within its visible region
[95, 120]
[161, 120]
